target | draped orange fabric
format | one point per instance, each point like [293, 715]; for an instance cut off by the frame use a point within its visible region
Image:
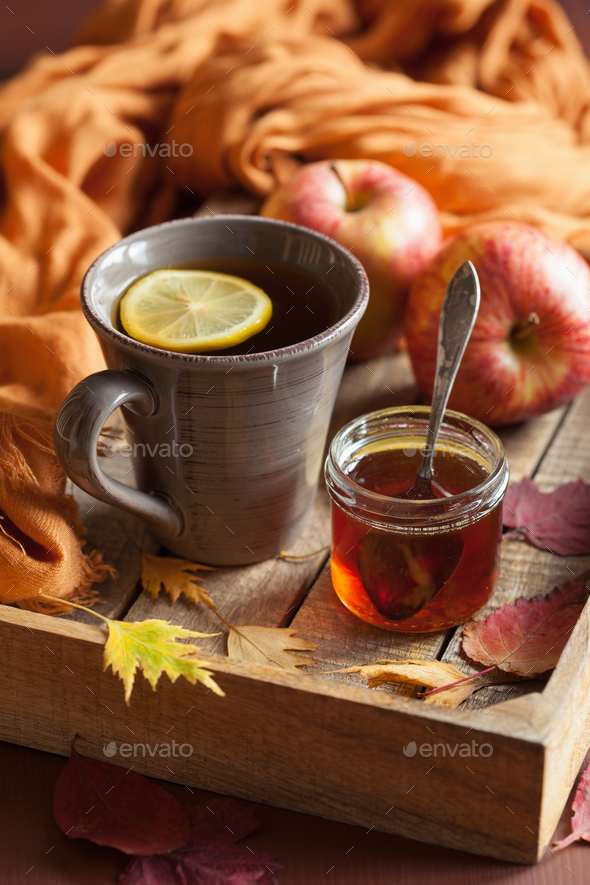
[486, 104]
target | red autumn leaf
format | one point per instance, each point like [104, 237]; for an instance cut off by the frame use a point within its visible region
[210, 857]
[116, 807]
[528, 636]
[581, 809]
[558, 521]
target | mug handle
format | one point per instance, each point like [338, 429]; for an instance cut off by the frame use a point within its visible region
[77, 429]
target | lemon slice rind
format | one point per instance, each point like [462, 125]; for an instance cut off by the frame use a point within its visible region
[193, 311]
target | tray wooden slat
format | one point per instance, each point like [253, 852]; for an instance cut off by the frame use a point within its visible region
[267, 593]
[119, 536]
[526, 570]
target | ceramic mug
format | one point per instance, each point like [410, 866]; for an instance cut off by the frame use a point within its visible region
[227, 449]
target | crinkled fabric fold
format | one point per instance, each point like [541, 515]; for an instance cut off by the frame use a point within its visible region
[254, 90]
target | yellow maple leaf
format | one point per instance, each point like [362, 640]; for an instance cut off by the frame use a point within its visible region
[432, 674]
[151, 646]
[173, 575]
[268, 645]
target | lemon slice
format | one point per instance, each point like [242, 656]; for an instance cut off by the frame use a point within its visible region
[194, 310]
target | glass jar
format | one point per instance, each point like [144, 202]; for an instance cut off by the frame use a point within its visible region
[409, 565]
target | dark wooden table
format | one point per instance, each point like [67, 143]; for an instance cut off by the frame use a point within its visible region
[312, 851]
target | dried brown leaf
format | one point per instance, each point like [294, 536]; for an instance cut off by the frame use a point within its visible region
[173, 575]
[432, 674]
[268, 646]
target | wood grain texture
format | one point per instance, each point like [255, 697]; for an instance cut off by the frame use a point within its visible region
[526, 443]
[119, 536]
[343, 640]
[560, 714]
[562, 719]
[251, 743]
[313, 851]
[526, 570]
[264, 594]
[568, 457]
[380, 383]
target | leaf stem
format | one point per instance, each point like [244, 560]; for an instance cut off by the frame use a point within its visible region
[514, 532]
[289, 556]
[246, 638]
[425, 694]
[82, 608]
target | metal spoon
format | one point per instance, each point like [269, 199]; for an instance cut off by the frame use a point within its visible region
[402, 575]
[457, 318]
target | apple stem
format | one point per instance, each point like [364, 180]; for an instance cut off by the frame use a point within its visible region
[334, 169]
[523, 327]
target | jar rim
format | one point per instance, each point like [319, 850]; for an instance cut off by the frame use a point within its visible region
[342, 487]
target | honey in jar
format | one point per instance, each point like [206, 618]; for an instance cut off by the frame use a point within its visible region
[415, 565]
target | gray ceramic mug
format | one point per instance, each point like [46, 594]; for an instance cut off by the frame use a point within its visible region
[250, 430]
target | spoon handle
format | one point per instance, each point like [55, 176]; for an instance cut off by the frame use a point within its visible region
[457, 318]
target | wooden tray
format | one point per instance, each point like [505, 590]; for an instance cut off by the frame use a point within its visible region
[325, 744]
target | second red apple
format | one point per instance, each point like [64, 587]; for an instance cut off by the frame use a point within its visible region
[530, 347]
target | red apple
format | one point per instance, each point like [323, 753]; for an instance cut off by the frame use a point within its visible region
[389, 221]
[530, 347]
